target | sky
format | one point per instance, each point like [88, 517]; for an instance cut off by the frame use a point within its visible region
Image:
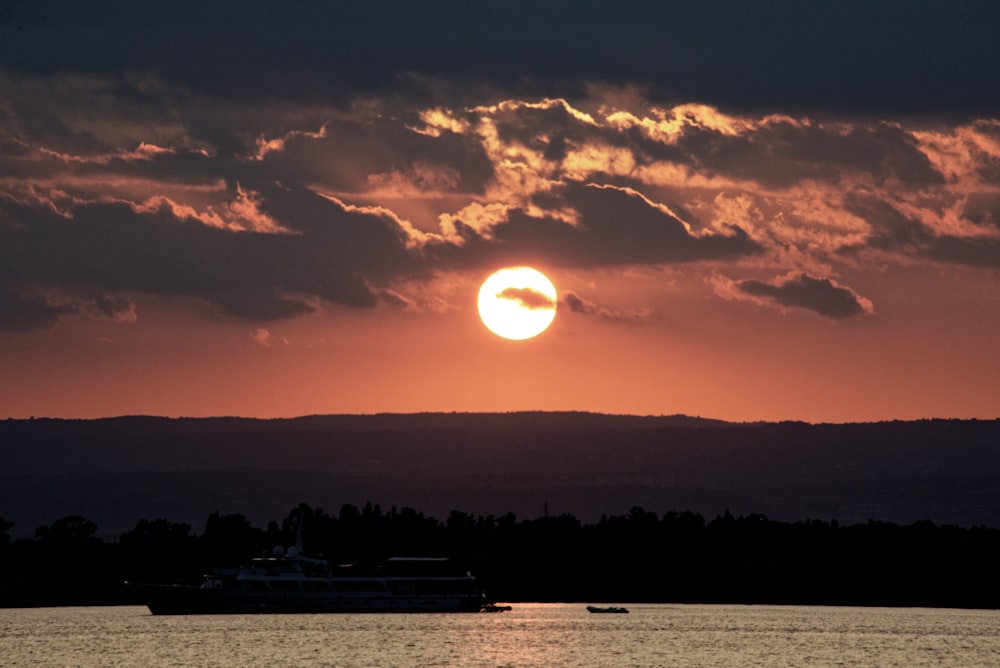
[750, 210]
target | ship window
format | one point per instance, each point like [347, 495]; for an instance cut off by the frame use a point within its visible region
[359, 585]
[284, 585]
[401, 587]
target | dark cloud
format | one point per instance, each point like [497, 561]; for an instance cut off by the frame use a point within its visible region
[983, 209]
[351, 154]
[622, 227]
[989, 167]
[800, 290]
[122, 248]
[118, 308]
[527, 297]
[974, 252]
[578, 304]
[324, 168]
[616, 228]
[25, 310]
[895, 231]
[774, 151]
[27, 313]
[891, 230]
[920, 56]
[783, 153]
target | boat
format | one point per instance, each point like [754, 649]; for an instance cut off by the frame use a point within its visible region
[287, 581]
[611, 609]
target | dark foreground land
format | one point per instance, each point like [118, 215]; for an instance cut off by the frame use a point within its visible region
[918, 504]
[637, 556]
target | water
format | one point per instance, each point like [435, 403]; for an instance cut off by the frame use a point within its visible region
[550, 635]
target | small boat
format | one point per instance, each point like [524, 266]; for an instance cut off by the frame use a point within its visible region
[493, 607]
[612, 609]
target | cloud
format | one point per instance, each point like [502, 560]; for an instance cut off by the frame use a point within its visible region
[799, 290]
[922, 234]
[616, 227]
[262, 338]
[415, 300]
[26, 313]
[130, 184]
[776, 151]
[29, 310]
[376, 151]
[117, 308]
[972, 252]
[163, 249]
[578, 304]
[790, 54]
[527, 297]
[398, 300]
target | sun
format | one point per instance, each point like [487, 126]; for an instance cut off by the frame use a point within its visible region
[517, 303]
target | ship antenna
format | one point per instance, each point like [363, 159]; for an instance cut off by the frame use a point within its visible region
[298, 534]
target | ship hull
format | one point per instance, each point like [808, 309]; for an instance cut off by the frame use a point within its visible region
[177, 600]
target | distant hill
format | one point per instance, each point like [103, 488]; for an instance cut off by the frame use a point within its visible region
[115, 471]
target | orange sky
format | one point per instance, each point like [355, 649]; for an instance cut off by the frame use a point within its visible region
[171, 248]
[692, 356]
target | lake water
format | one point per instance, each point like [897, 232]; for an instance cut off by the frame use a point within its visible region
[550, 635]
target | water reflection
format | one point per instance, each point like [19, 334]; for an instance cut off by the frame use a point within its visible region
[551, 635]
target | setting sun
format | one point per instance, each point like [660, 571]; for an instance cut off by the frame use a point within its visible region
[517, 303]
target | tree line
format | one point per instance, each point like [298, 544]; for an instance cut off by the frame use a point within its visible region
[638, 556]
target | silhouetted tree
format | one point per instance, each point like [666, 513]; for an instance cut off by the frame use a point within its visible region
[411, 532]
[318, 530]
[230, 540]
[159, 534]
[636, 556]
[160, 551]
[72, 529]
[66, 564]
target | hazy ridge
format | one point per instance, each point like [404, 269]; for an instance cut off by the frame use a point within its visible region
[116, 471]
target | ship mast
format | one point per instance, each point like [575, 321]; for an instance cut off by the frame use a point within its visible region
[298, 533]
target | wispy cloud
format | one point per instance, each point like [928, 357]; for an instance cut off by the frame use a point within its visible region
[263, 338]
[578, 304]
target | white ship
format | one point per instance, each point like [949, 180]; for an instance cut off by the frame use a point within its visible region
[288, 581]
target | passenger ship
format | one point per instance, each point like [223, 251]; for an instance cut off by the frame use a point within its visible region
[288, 581]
